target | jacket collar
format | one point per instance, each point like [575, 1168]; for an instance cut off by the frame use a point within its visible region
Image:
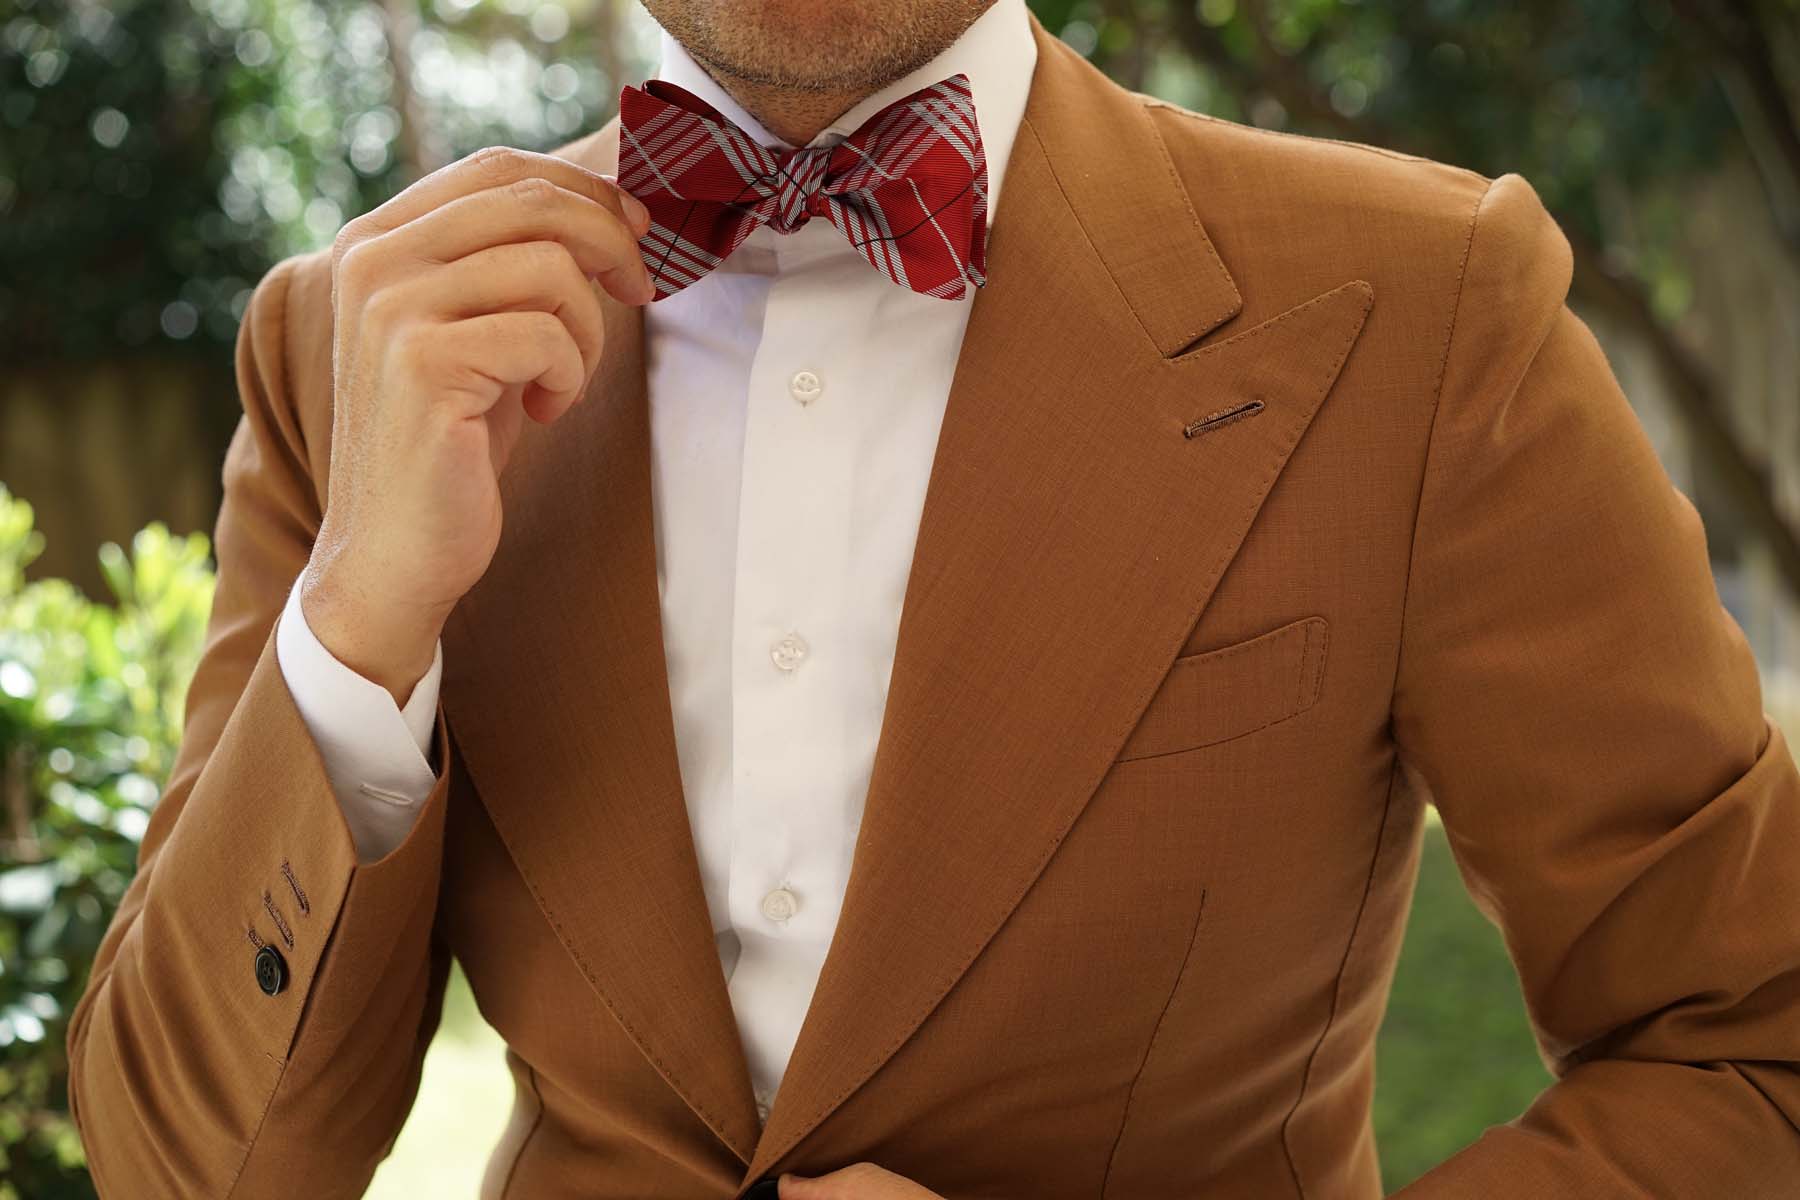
[1058, 570]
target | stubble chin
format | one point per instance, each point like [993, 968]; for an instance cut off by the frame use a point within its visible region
[822, 46]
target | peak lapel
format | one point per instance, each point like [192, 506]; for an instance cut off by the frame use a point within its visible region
[556, 689]
[1070, 538]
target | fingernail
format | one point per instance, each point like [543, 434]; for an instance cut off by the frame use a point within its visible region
[640, 216]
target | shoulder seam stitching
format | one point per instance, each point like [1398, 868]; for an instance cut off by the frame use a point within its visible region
[1367, 147]
[1437, 405]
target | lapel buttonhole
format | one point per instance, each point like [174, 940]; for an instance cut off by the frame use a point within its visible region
[1222, 417]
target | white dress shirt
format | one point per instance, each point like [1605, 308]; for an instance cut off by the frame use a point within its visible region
[795, 400]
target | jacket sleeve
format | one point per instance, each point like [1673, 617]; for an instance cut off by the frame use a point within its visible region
[1588, 719]
[187, 1078]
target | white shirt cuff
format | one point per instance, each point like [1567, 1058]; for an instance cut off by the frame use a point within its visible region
[375, 753]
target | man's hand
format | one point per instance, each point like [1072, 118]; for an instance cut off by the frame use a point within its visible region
[859, 1181]
[460, 306]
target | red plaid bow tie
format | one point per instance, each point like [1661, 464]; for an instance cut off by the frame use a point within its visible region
[907, 189]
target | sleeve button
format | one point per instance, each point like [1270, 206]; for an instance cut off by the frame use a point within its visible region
[271, 970]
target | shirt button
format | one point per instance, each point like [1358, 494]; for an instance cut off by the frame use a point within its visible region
[806, 386]
[788, 651]
[271, 970]
[780, 904]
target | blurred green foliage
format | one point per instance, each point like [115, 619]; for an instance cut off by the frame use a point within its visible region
[113, 228]
[1605, 105]
[157, 155]
[91, 700]
[1455, 1053]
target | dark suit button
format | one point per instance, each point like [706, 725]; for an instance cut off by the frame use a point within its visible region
[271, 972]
[766, 1188]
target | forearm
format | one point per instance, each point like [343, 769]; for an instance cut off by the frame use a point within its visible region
[1635, 1128]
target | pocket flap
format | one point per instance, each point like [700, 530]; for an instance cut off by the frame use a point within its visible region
[1233, 690]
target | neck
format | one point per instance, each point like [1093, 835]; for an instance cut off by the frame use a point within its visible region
[795, 115]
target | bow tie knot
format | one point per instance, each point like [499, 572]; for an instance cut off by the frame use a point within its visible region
[907, 188]
[800, 180]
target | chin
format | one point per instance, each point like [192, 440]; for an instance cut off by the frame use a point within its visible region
[800, 19]
[816, 44]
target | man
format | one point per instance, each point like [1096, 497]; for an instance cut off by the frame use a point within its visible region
[987, 686]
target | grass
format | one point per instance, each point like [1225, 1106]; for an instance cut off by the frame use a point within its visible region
[1455, 1055]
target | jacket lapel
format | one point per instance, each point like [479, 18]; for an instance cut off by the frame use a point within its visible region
[556, 690]
[1070, 538]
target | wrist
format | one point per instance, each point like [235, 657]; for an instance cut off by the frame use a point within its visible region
[391, 644]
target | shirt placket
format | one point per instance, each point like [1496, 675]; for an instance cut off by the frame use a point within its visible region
[790, 657]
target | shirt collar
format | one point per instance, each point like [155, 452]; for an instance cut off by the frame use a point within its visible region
[997, 52]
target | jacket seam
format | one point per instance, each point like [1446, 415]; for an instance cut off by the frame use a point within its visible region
[1437, 392]
[78, 1017]
[1437, 406]
[1337, 987]
[287, 1059]
[279, 281]
[1297, 135]
[289, 401]
[278, 275]
[256, 1134]
[285, 271]
[1150, 1045]
[1137, 758]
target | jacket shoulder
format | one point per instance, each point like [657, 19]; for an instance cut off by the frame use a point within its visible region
[1313, 169]
[1288, 141]
[1285, 204]
[1313, 211]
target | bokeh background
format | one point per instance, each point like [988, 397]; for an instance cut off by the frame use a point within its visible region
[157, 156]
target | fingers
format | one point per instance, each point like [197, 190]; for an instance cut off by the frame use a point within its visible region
[470, 363]
[540, 276]
[492, 167]
[793, 1187]
[492, 198]
[859, 1181]
[532, 209]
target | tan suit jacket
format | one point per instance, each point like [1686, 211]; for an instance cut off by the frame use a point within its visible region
[1164, 719]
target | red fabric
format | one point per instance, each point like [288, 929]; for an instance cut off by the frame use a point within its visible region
[907, 188]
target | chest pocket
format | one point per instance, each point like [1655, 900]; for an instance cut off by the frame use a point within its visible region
[1225, 693]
